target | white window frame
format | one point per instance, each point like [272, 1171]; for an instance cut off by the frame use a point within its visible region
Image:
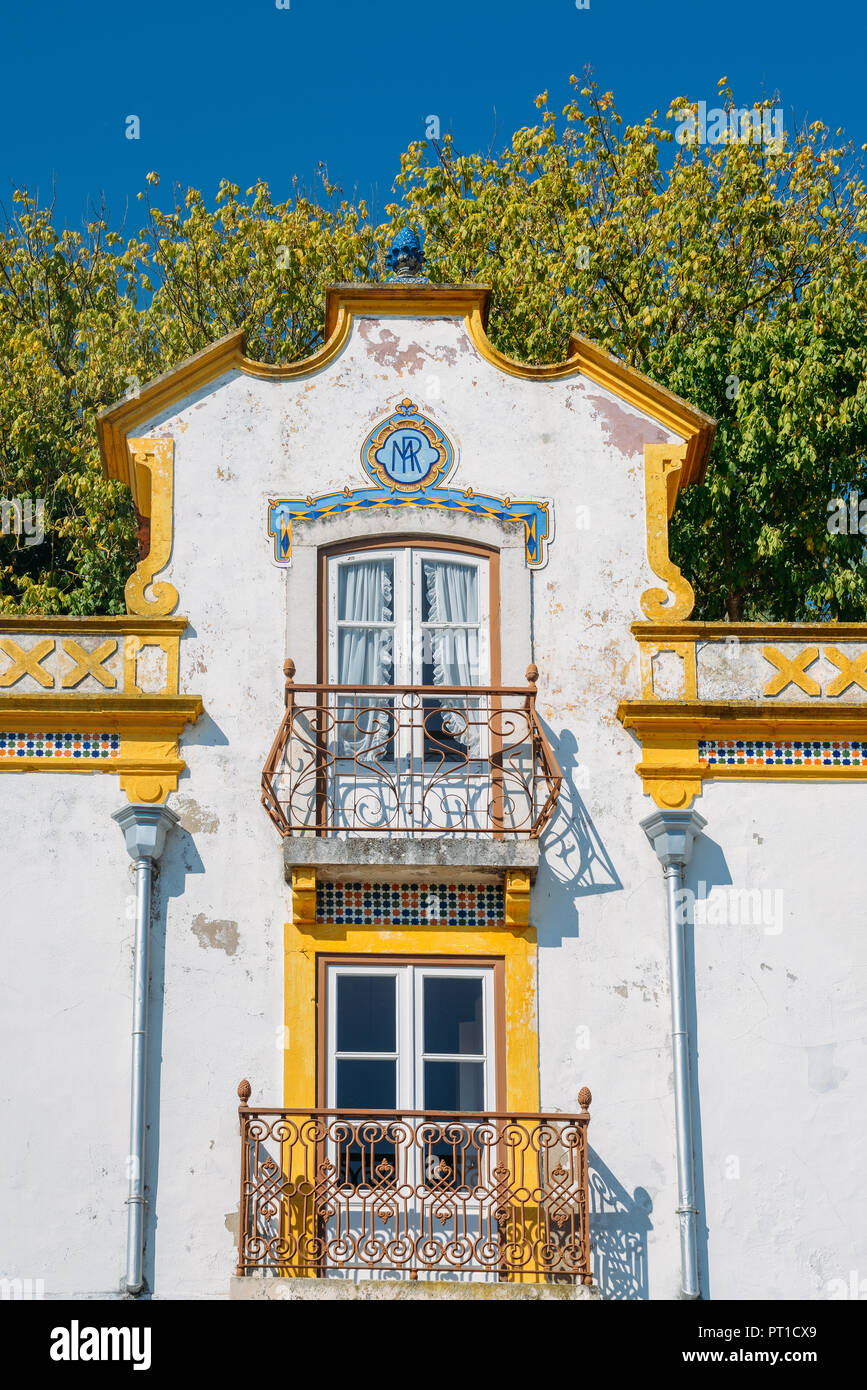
[483, 622]
[407, 625]
[409, 1035]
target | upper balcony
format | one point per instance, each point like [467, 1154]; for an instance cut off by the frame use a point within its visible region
[411, 761]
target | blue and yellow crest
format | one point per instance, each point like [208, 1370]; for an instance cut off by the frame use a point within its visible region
[407, 458]
[407, 452]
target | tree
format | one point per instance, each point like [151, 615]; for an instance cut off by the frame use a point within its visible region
[69, 337]
[733, 273]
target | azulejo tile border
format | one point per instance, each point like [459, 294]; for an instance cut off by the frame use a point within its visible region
[371, 903]
[826, 753]
[64, 746]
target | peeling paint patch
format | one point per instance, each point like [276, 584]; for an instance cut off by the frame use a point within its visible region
[648, 995]
[196, 818]
[385, 349]
[628, 433]
[219, 936]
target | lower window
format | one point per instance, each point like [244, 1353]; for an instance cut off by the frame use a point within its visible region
[410, 1037]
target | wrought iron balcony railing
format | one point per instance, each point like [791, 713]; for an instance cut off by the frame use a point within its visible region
[329, 1193]
[411, 760]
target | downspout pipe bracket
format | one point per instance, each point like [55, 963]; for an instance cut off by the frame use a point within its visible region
[672, 835]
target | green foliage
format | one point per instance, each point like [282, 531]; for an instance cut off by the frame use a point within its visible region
[734, 274]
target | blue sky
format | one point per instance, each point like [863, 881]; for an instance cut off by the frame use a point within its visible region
[246, 90]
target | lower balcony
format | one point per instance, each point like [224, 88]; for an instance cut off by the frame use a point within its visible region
[339, 1204]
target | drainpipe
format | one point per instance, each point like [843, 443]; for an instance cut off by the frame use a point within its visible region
[144, 829]
[671, 833]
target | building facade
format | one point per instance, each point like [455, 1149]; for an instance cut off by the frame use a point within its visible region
[407, 796]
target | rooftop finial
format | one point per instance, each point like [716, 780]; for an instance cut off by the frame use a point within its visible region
[405, 258]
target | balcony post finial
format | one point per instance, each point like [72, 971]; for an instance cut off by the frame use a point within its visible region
[244, 1092]
[584, 1100]
[289, 673]
[532, 674]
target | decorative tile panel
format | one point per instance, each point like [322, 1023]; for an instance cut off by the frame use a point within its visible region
[59, 746]
[360, 903]
[409, 473]
[830, 753]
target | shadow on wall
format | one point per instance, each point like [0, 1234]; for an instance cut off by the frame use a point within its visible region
[574, 862]
[618, 1234]
[573, 848]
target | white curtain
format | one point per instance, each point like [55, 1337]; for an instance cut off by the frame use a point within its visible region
[364, 655]
[452, 597]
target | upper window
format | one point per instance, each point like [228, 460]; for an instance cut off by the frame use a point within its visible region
[408, 616]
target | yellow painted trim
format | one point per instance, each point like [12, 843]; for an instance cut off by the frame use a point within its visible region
[786, 774]
[777, 632]
[343, 303]
[153, 467]
[27, 662]
[518, 885]
[148, 765]
[669, 732]
[134, 643]
[89, 663]
[663, 465]
[791, 671]
[405, 301]
[135, 632]
[115, 424]
[853, 671]
[516, 947]
[695, 427]
[685, 650]
[303, 896]
[145, 626]
[729, 719]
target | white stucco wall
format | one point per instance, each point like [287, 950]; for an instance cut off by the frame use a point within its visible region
[777, 1061]
[66, 937]
[781, 1037]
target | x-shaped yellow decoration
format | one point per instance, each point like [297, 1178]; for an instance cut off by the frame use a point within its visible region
[852, 672]
[26, 663]
[793, 671]
[89, 663]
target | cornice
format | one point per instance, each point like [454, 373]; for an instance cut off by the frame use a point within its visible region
[128, 624]
[108, 713]
[732, 719]
[777, 632]
[345, 302]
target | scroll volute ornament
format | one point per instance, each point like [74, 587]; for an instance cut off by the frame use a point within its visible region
[662, 466]
[153, 462]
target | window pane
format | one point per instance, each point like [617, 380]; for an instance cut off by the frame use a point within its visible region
[365, 656]
[454, 1086]
[363, 1085]
[449, 592]
[450, 656]
[453, 1015]
[364, 591]
[366, 1020]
